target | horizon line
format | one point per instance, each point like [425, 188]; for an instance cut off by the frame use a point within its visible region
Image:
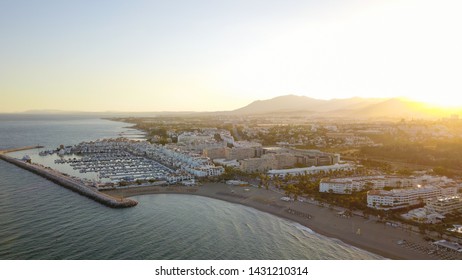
[60, 111]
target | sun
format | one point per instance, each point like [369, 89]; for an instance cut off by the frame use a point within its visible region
[440, 100]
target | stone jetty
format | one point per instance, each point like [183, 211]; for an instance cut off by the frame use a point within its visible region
[68, 182]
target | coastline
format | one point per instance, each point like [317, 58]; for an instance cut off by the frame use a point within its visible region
[366, 234]
[376, 238]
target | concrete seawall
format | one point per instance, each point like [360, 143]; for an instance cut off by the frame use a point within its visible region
[71, 184]
[20, 149]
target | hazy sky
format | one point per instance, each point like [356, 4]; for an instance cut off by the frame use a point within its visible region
[220, 55]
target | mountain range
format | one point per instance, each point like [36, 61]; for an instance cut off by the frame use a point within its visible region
[294, 105]
[355, 107]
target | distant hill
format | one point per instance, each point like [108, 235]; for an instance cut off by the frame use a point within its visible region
[288, 103]
[106, 113]
[296, 106]
[292, 103]
[350, 108]
[49, 112]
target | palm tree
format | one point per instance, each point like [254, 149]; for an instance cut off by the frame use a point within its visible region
[264, 180]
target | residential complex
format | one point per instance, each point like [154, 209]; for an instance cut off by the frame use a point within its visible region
[444, 205]
[351, 184]
[400, 198]
[246, 155]
[119, 160]
[311, 170]
[435, 210]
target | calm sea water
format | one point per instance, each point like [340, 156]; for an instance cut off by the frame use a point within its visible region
[41, 220]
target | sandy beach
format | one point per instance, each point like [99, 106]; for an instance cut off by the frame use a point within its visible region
[366, 234]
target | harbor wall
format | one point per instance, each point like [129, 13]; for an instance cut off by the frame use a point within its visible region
[20, 149]
[72, 184]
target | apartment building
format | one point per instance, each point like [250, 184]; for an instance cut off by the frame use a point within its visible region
[444, 205]
[400, 198]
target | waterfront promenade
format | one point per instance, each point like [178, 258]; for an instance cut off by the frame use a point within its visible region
[370, 235]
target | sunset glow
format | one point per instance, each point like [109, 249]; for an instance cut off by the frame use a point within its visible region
[210, 56]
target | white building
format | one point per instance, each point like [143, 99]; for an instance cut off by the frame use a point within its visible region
[190, 162]
[444, 205]
[400, 198]
[205, 171]
[188, 137]
[421, 215]
[227, 138]
[310, 170]
[350, 184]
[246, 144]
[227, 163]
[337, 186]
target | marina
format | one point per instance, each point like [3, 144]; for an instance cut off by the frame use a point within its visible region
[117, 168]
[117, 161]
[68, 182]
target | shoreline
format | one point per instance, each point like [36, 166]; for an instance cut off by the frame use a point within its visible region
[373, 237]
[365, 234]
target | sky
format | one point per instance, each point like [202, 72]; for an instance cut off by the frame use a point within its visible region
[221, 55]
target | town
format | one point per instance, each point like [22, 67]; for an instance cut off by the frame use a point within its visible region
[392, 171]
[408, 171]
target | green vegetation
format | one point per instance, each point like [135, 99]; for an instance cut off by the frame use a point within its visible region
[441, 171]
[446, 155]
[232, 173]
[377, 165]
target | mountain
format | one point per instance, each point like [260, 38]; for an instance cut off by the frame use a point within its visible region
[49, 112]
[355, 107]
[294, 103]
[106, 113]
[287, 103]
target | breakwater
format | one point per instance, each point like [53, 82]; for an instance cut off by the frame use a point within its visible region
[70, 183]
[20, 149]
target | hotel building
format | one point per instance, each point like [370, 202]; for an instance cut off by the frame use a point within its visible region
[400, 198]
[444, 205]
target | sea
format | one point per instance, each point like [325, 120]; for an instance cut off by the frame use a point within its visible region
[42, 220]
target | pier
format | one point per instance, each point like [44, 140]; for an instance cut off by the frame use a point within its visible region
[67, 182]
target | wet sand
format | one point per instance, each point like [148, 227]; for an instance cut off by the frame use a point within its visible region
[363, 233]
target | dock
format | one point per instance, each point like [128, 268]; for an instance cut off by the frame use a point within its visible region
[67, 182]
